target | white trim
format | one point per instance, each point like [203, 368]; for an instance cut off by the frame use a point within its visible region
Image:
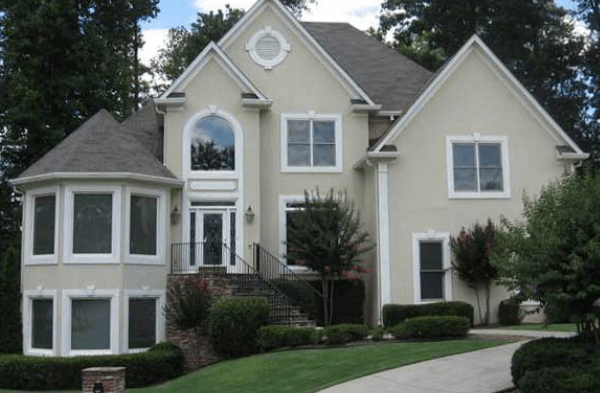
[200, 62]
[161, 223]
[67, 297]
[431, 236]
[97, 176]
[311, 117]
[477, 139]
[515, 87]
[68, 256]
[29, 228]
[159, 296]
[284, 200]
[28, 297]
[284, 48]
[313, 46]
[383, 213]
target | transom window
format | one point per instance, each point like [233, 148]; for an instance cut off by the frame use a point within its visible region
[477, 167]
[212, 145]
[311, 143]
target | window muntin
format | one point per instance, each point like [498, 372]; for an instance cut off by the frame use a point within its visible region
[432, 270]
[143, 225]
[212, 145]
[92, 223]
[44, 224]
[42, 329]
[142, 322]
[91, 324]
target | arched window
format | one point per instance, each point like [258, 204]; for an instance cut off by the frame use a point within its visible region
[212, 145]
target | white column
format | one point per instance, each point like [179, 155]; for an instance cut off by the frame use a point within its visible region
[385, 271]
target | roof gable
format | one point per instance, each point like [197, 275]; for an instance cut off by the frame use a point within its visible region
[506, 76]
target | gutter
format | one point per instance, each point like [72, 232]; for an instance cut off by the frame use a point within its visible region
[97, 175]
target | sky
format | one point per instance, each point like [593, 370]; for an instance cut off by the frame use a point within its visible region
[360, 13]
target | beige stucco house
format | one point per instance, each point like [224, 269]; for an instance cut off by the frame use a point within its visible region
[221, 160]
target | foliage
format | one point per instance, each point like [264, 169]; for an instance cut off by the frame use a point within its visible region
[560, 380]
[344, 333]
[378, 333]
[327, 237]
[509, 312]
[349, 297]
[206, 156]
[234, 324]
[432, 327]
[553, 255]
[549, 353]
[472, 251]
[273, 337]
[189, 304]
[301, 295]
[394, 314]
[10, 291]
[51, 373]
[556, 313]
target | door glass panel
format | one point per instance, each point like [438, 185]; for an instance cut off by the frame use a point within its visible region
[232, 238]
[213, 239]
[193, 239]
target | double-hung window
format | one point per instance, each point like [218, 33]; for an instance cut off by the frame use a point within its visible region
[145, 211]
[311, 143]
[431, 267]
[477, 167]
[41, 226]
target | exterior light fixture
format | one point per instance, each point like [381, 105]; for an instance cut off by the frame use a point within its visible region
[175, 216]
[249, 214]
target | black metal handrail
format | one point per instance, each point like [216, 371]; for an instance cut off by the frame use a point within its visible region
[187, 257]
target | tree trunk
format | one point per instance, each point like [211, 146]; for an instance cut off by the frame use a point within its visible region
[476, 290]
[331, 286]
[488, 295]
[325, 283]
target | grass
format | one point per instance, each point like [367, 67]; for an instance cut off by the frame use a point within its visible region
[557, 327]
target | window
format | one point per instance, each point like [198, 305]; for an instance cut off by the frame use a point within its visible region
[212, 145]
[311, 143]
[478, 167]
[268, 48]
[39, 316]
[431, 264]
[143, 225]
[289, 205]
[291, 210]
[43, 225]
[142, 323]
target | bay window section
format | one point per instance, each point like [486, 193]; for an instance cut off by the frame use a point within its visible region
[92, 224]
[143, 225]
[42, 329]
[44, 224]
[90, 324]
[142, 322]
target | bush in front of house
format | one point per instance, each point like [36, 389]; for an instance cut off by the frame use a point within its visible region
[344, 333]
[509, 312]
[394, 314]
[378, 333]
[20, 372]
[560, 380]
[234, 324]
[432, 327]
[273, 337]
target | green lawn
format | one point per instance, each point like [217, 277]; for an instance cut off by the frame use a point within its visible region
[557, 327]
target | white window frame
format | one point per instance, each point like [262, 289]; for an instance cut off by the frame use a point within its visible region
[478, 139]
[431, 237]
[28, 297]
[284, 200]
[311, 117]
[161, 224]
[113, 257]
[48, 259]
[68, 296]
[159, 296]
[268, 64]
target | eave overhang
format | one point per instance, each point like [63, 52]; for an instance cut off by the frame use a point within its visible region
[86, 176]
[373, 158]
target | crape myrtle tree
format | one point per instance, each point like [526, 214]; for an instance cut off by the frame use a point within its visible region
[472, 250]
[552, 255]
[326, 236]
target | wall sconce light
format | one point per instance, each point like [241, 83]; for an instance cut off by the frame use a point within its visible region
[249, 215]
[175, 216]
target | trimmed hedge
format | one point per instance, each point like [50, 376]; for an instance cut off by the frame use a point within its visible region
[344, 333]
[273, 337]
[234, 324]
[431, 327]
[394, 314]
[64, 373]
[560, 380]
[509, 312]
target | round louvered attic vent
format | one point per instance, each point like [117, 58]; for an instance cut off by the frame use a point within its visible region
[268, 48]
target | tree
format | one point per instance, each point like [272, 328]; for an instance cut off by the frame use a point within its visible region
[184, 45]
[472, 251]
[553, 254]
[326, 236]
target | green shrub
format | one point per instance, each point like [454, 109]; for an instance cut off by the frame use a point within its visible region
[400, 331]
[11, 339]
[378, 333]
[189, 304]
[234, 323]
[557, 313]
[341, 334]
[435, 327]
[272, 337]
[551, 352]
[560, 380]
[509, 312]
[349, 301]
[20, 372]
[393, 314]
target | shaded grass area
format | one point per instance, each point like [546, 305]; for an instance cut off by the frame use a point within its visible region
[312, 369]
[556, 327]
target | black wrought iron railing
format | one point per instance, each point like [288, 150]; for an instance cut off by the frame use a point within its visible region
[187, 257]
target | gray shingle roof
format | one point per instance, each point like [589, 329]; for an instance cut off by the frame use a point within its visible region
[101, 144]
[144, 125]
[389, 78]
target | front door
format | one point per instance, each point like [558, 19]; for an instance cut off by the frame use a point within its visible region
[211, 234]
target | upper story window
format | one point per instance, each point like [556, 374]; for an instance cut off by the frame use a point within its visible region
[477, 167]
[212, 145]
[145, 211]
[311, 143]
[268, 48]
[44, 222]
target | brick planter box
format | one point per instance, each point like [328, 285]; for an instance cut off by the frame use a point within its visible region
[104, 379]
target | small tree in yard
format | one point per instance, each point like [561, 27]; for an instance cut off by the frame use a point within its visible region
[553, 255]
[472, 251]
[188, 305]
[327, 237]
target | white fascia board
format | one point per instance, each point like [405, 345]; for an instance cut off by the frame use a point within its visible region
[573, 156]
[257, 103]
[198, 64]
[98, 176]
[372, 158]
[449, 69]
[303, 33]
